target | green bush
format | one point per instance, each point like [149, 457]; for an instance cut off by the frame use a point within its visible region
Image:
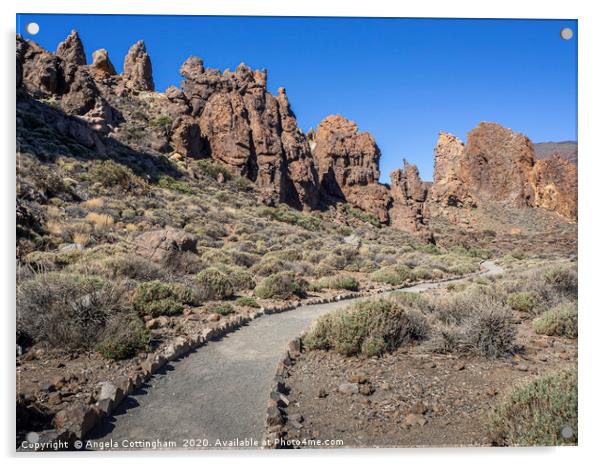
[214, 284]
[156, 298]
[247, 301]
[366, 217]
[522, 301]
[337, 282]
[535, 414]
[285, 214]
[560, 321]
[395, 275]
[213, 170]
[223, 309]
[112, 174]
[167, 182]
[369, 328]
[123, 337]
[282, 285]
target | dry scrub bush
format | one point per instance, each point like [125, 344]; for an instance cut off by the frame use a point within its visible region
[283, 285]
[67, 310]
[214, 284]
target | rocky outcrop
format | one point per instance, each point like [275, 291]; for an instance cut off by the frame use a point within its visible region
[498, 165]
[71, 50]
[249, 130]
[101, 63]
[137, 68]
[40, 71]
[409, 193]
[554, 182]
[348, 166]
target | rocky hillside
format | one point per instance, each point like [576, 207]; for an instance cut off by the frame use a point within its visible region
[232, 119]
[499, 165]
[227, 116]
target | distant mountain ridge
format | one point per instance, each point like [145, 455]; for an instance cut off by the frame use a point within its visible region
[566, 149]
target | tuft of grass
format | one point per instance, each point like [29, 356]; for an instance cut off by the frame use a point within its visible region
[560, 321]
[101, 222]
[536, 413]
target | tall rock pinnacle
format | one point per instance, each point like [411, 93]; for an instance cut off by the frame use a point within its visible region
[137, 68]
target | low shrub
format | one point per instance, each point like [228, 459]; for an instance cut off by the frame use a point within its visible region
[124, 336]
[111, 174]
[537, 413]
[285, 214]
[522, 301]
[560, 321]
[214, 284]
[167, 182]
[395, 275]
[247, 301]
[283, 285]
[214, 170]
[337, 282]
[563, 280]
[223, 309]
[156, 298]
[66, 309]
[369, 328]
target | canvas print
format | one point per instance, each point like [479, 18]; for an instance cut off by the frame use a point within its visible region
[285, 232]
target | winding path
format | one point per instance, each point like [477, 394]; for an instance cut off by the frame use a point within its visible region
[220, 390]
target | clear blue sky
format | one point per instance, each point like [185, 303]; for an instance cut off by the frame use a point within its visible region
[403, 80]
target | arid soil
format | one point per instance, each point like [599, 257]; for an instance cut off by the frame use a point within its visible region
[410, 397]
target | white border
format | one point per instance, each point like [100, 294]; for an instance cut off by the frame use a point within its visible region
[590, 173]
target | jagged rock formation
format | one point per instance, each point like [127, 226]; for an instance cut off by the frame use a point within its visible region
[246, 128]
[498, 165]
[231, 118]
[347, 163]
[408, 210]
[137, 68]
[71, 50]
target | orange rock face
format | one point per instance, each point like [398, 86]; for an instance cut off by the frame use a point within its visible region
[347, 163]
[554, 183]
[498, 164]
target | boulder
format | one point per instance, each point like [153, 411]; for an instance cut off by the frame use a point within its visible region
[160, 245]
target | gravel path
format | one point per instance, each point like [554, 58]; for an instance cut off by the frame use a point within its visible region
[219, 392]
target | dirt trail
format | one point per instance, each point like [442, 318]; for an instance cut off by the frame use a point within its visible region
[219, 392]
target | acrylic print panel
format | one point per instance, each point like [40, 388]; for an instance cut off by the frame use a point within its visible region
[363, 236]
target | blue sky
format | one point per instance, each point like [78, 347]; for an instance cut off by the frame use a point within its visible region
[404, 80]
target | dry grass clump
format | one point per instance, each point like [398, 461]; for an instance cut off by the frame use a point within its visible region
[539, 412]
[101, 222]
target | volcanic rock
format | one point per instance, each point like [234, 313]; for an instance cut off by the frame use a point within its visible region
[408, 210]
[137, 68]
[71, 50]
[101, 63]
[555, 186]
